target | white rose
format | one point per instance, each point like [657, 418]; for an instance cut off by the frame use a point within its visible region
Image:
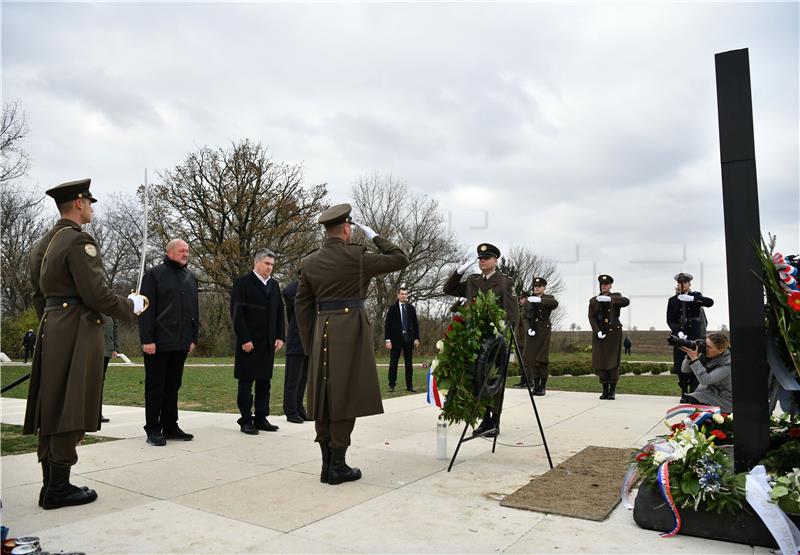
[434, 364]
[502, 325]
[718, 418]
[440, 345]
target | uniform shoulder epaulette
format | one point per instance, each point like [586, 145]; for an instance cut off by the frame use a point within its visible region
[354, 244]
[309, 252]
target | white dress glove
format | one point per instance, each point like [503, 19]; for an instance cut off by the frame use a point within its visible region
[601, 335]
[681, 335]
[368, 231]
[140, 303]
[531, 332]
[603, 298]
[534, 299]
[686, 298]
[465, 266]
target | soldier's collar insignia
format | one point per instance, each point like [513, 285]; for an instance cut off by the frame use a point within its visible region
[90, 250]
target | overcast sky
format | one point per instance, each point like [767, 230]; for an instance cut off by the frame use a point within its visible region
[587, 132]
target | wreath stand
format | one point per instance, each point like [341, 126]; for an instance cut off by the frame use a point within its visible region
[501, 358]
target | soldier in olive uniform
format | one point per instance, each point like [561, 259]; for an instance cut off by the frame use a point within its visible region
[519, 333]
[537, 342]
[70, 297]
[337, 336]
[686, 318]
[607, 335]
[489, 279]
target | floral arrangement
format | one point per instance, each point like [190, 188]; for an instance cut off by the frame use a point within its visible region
[780, 278]
[454, 366]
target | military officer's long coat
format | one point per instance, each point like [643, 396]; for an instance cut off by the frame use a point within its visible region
[339, 342]
[607, 353]
[67, 368]
[536, 317]
[500, 284]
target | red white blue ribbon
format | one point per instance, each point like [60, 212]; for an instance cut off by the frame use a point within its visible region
[663, 486]
[433, 398]
[697, 413]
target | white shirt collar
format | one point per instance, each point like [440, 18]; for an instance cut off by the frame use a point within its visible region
[488, 276]
[262, 280]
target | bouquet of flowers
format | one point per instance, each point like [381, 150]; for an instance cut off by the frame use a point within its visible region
[454, 366]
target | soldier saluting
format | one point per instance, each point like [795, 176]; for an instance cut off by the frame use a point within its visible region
[489, 279]
[686, 318]
[70, 297]
[537, 338]
[604, 312]
[337, 336]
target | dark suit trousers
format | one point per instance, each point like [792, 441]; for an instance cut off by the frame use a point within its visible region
[407, 348]
[244, 398]
[28, 353]
[294, 384]
[163, 373]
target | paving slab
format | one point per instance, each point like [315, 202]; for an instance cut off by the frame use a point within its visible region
[227, 492]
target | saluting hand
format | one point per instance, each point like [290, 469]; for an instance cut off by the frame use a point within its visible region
[534, 299]
[465, 266]
[603, 298]
[686, 298]
[368, 231]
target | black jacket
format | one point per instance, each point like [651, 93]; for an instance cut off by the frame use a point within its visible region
[688, 317]
[393, 328]
[29, 340]
[257, 314]
[293, 344]
[173, 320]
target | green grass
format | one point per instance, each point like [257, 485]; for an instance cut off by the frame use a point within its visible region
[634, 385]
[14, 443]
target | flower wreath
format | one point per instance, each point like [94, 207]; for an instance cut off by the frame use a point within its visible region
[454, 367]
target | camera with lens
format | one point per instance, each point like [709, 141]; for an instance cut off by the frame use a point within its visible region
[678, 342]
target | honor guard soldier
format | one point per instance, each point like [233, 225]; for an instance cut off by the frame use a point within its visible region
[537, 341]
[337, 336]
[489, 279]
[70, 297]
[607, 335]
[686, 319]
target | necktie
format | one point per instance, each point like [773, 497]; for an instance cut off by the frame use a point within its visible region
[402, 317]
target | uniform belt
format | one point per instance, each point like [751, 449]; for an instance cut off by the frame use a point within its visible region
[340, 304]
[56, 301]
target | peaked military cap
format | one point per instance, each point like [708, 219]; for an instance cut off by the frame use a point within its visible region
[71, 190]
[487, 250]
[604, 279]
[336, 215]
[539, 282]
[683, 277]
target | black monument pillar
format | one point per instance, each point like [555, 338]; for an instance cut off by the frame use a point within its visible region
[742, 234]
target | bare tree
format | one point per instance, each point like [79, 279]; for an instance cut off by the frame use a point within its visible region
[416, 224]
[13, 130]
[226, 203]
[21, 226]
[523, 265]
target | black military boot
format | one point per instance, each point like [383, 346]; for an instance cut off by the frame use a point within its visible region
[535, 385]
[45, 480]
[486, 424]
[540, 387]
[612, 389]
[605, 391]
[523, 381]
[60, 493]
[338, 471]
[326, 461]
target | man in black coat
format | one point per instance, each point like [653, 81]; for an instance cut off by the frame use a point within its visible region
[28, 342]
[401, 332]
[686, 318]
[168, 332]
[296, 376]
[258, 321]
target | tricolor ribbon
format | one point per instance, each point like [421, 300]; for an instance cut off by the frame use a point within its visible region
[631, 477]
[706, 411]
[433, 398]
[663, 486]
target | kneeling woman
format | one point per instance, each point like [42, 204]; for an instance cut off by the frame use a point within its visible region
[713, 371]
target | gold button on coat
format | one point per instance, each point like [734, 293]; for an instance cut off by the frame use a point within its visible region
[65, 305]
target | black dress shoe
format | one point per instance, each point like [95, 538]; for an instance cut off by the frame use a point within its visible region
[179, 435]
[391, 389]
[295, 419]
[248, 428]
[411, 390]
[302, 414]
[156, 438]
[264, 424]
[103, 419]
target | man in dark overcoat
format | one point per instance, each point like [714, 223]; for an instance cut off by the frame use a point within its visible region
[258, 321]
[537, 335]
[489, 279]
[337, 335]
[70, 296]
[168, 332]
[687, 319]
[604, 312]
[296, 374]
[401, 333]
[28, 342]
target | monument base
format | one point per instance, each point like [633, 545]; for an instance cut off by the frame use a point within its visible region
[652, 513]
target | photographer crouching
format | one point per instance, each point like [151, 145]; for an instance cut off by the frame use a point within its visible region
[710, 362]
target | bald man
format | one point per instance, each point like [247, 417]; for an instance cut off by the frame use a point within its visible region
[168, 334]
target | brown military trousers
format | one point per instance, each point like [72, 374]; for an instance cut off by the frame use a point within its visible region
[334, 433]
[60, 448]
[608, 376]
